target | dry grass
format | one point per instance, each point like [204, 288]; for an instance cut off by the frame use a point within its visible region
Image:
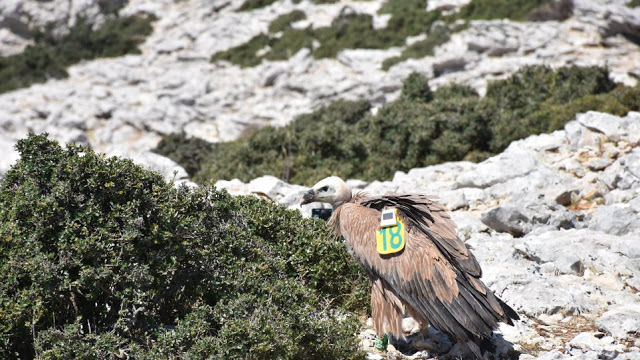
[561, 332]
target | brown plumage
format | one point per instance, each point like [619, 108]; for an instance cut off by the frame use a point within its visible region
[435, 278]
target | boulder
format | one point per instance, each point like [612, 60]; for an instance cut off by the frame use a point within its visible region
[622, 322]
[615, 219]
[624, 173]
[519, 220]
[573, 251]
[589, 342]
[168, 168]
[498, 169]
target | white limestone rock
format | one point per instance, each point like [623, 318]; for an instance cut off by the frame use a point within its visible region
[519, 219]
[573, 251]
[20, 18]
[498, 169]
[624, 173]
[11, 44]
[168, 168]
[9, 154]
[622, 322]
[615, 219]
[446, 5]
[613, 127]
[603, 346]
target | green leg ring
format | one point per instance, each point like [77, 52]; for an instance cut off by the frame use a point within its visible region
[381, 344]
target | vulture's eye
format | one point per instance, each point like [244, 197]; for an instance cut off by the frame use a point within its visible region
[324, 188]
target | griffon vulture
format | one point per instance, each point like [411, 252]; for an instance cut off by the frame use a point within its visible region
[431, 274]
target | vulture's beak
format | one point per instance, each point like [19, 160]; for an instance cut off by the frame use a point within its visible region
[308, 197]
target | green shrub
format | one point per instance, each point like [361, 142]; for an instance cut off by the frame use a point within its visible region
[245, 54]
[313, 146]
[49, 56]
[419, 129]
[188, 152]
[100, 258]
[558, 10]
[408, 18]
[289, 43]
[454, 91]
[255, 4]
[633, 3]
[499, 9]
[416, 87]
[284, 22]
[534, 89]
[422, 48]
[351, 31]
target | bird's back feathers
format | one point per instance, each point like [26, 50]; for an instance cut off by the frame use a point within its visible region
[436, 277]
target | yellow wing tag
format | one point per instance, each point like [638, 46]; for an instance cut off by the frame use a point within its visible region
[391, 239]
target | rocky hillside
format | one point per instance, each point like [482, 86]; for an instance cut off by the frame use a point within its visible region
[124, 105]
[554, 221]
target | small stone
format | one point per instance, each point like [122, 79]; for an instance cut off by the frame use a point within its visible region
[631, 355]
[369, 322]
[370, 332]
[527, 357]
[567, 319]
[425, 344]
[565, 197]
[374, 356]
[634, 283]
[552, 355]
[410, 326]
[598, 164]
[550, 319]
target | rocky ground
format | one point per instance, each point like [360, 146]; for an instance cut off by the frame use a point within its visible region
[554, 221]
[124, 105]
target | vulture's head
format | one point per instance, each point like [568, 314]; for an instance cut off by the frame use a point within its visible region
[332, 190]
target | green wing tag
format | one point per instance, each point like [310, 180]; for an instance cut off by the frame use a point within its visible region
[391, 239]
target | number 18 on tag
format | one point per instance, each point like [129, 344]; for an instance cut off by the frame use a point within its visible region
[391, 235]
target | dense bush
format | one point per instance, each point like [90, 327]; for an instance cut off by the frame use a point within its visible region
[419, 129]
[188, 152]
[313, 146]
[533, 91]
[50, 56]
[416, 87]
[558, 10]
[100, 258]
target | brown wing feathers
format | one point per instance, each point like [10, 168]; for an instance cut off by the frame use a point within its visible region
[436, 275]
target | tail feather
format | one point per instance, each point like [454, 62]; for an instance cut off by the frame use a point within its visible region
[509, 313]
[481, 348]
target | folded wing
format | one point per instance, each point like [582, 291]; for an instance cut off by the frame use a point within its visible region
[436, 275]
